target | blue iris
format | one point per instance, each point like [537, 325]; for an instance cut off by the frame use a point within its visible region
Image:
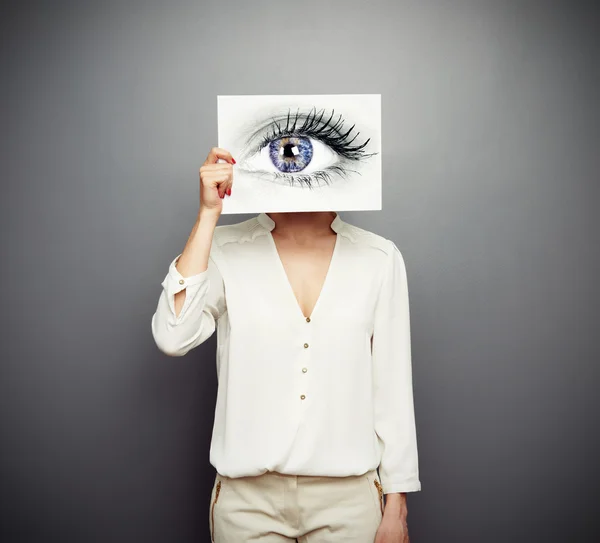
[291, 154]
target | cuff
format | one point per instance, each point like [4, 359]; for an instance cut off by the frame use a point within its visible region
[174, 282]
[177, 282]
[407, 486]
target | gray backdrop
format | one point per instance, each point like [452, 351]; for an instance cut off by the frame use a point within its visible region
[490, 150]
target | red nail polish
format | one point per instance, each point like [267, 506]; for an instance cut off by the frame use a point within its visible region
[228, 192]
[233, 160]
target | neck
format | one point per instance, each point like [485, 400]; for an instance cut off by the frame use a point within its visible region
[305, 224]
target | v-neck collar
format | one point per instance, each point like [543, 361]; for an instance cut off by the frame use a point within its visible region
[337, 226]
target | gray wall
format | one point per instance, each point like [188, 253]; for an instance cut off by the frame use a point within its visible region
[491, 140]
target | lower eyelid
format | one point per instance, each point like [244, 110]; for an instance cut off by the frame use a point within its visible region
[317, 179]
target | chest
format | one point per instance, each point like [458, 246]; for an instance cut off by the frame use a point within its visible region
[272, 287]
[306, 268]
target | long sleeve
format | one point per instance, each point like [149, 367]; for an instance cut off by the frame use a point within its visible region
[392, 375]
[176, 335]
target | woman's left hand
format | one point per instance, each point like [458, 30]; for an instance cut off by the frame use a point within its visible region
[393, 529]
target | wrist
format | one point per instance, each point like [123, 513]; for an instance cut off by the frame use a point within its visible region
[207, 215]
[395, 505]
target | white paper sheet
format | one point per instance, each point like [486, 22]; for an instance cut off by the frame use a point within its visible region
[302, 152]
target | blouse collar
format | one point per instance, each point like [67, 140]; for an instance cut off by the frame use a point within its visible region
[269, 224]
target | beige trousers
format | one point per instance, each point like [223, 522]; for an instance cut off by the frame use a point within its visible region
[276, 508]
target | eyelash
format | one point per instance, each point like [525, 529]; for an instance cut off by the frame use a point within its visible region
[308, 180]
[329, 133]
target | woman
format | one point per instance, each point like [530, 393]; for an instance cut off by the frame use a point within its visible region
[314, 421]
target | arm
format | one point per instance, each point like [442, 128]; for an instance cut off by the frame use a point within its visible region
[193, 295]
[393, 391]
[195, 257]
[192, 298]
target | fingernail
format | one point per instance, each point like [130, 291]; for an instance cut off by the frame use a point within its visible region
[233, 160]
[228, 192]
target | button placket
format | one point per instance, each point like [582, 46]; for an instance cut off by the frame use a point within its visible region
[305, 363]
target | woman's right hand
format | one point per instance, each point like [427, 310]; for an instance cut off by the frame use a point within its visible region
[216, 180]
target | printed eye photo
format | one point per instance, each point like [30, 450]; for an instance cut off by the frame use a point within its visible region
[302, 152]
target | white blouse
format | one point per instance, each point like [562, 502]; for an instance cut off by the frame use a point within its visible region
[327, 395]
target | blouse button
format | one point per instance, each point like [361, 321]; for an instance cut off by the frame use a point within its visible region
[306, 345]
[302, 397]
[304, 370]
[307, 319]
[181, 281]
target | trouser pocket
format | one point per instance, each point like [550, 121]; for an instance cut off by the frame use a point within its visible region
[213, 504]
[379, 492]
[376, 491]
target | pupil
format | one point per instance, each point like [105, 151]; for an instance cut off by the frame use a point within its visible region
[290, 150]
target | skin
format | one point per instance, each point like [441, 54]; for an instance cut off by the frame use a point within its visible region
[305, 243]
